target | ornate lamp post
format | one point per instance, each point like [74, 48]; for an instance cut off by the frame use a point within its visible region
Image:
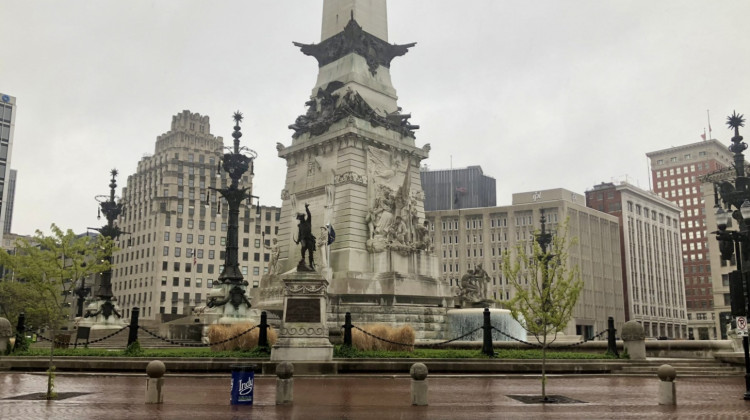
[235, 162]
[106, 314]
[81, 292]
[737, 242]
[544, 239]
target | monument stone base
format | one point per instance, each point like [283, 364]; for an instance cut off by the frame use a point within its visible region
[303, 335]
[103, 315]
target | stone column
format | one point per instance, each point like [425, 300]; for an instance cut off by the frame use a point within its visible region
[418, 374]
[667, 387]
[155, 383]
[284, 383]
[634, 337]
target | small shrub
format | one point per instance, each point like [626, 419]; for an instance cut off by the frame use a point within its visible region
[134, 350]
[403, 335]
[219, 333]
[23, 344]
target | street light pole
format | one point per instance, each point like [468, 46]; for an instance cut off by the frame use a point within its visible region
[236, 162]
[544, 239]
[111, 209]
[737, 242]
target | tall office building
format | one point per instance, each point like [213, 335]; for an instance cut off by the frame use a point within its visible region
[676, 175]
[177, 228]
[464, 188]
[10, 195]
[654, 287]
[7, 126]
[463, 239]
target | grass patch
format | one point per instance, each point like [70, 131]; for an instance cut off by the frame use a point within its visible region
[256, 353]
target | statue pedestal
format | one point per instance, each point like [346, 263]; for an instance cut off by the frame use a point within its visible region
[304, 334]
[103, 315]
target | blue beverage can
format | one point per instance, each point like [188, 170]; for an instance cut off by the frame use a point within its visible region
[243, 384]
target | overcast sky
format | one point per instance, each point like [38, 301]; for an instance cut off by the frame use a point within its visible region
[541, 94]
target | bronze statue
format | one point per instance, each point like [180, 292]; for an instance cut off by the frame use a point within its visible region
[306, 238]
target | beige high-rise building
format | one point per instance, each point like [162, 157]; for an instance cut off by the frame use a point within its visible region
[466, 238]
[175, 248]
[654, 287]
[677, 175]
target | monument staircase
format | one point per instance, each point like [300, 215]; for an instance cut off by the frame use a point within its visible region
[684, 367]
[120, 340]
[429, 322]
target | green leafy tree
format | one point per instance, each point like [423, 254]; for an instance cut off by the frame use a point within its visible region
[47, 268]
[546, 287]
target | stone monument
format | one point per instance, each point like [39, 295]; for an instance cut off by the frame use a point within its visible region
[304, 331]
[353, 155]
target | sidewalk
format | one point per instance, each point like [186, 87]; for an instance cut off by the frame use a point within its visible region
[114, 397]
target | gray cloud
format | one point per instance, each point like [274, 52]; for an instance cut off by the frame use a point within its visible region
[541, 94]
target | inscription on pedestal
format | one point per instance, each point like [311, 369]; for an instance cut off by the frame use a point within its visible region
[302, 310]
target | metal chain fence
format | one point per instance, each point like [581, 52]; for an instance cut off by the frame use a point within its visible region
[425, 345]
[556, 347]
[429, 345]
[66, 343]
[197, 344]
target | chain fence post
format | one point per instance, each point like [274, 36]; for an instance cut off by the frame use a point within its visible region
[133, 333]
[612, 337]
[487, 341]
[263, 333]
[20, 332]
[348, 329]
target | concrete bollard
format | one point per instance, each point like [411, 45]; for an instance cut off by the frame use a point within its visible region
[284, 383]
[667, 387]
[418, 374]
[634, 338]
[155, 383]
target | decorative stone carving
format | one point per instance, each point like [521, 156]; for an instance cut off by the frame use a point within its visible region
[393, 223]
[472, 292]
[327, 108]
[350, 177]
[305, 289]
[273, 264]
[322, 245]
[285, 194]
[355, 40]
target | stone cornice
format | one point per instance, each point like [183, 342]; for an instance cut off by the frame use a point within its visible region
[350, 138]
[353, 39]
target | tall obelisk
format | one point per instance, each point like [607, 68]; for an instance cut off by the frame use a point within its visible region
[353, 158]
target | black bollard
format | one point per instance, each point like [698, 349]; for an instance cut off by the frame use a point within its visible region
[348, 329]
[612, 337]
[133, 333]
[20, 332]
[263, 333]
[487, 341]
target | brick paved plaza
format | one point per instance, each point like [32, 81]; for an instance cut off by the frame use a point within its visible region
[113, 396]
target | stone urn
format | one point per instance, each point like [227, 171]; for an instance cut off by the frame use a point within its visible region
[634, 338]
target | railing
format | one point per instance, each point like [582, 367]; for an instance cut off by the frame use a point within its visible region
[487, 327]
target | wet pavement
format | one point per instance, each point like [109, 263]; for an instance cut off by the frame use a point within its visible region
[111, 396]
